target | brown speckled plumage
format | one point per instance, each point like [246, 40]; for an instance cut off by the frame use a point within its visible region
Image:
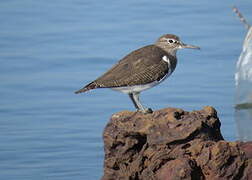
[141, 69]
[141, 66]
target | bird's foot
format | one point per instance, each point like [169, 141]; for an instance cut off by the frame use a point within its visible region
[145, 111]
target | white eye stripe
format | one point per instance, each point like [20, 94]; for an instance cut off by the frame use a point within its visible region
[171, 41]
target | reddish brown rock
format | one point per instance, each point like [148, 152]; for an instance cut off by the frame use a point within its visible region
[172, 144]
[176, 169]
[247, 148]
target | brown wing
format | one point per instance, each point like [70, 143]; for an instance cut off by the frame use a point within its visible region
[142, 66]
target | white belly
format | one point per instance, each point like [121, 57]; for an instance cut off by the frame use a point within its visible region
[138, 88]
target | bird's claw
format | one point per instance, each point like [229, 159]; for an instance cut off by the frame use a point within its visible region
[146, 111]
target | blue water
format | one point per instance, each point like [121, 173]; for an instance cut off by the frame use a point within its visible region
[49, 49]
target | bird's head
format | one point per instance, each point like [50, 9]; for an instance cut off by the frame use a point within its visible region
[171, 43]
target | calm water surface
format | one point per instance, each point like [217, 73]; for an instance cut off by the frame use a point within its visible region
[49, 49]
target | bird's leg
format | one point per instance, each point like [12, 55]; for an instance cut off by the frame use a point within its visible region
[135, 99]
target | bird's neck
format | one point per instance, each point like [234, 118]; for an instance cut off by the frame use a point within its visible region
[171, 51]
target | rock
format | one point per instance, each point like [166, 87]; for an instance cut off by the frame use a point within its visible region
[247, 148]
[172, 144]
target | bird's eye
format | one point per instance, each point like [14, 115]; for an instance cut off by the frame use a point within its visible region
[171, 41]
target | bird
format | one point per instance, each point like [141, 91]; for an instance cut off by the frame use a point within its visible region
[141, 69]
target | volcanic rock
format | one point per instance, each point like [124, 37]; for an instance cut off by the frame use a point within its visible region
[172, 144]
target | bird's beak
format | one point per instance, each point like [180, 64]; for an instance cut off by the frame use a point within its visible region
[189, 46]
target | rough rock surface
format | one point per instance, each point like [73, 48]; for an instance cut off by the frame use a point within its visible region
[172, 144]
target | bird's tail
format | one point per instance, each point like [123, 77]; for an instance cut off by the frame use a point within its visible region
[88, 87]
